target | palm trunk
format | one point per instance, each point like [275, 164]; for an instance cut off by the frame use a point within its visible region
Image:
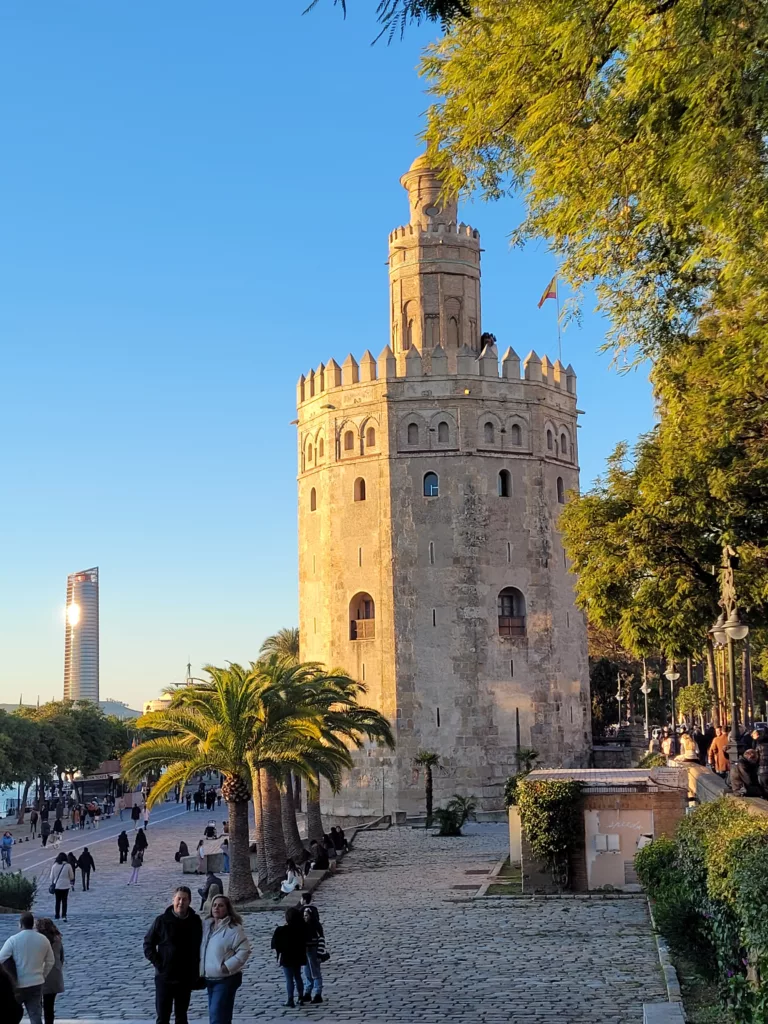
[428, 794]
[23, 805]
[274, 841]
[258, 815]
[297, 792]
[315, 828]
[293, 843]
[241, 885]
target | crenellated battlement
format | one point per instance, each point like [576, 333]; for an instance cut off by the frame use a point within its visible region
[330, 376]
[432, 230]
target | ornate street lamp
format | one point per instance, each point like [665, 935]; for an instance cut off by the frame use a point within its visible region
[645, 690]
[673, 676]
[725, 632]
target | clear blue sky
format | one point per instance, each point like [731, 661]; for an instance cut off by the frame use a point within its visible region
[195, 200]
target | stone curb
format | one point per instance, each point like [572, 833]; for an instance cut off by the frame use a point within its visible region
[671, 980]
[493, 874]
[566, 896]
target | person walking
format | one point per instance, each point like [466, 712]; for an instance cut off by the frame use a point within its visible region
[58, 828]
[290, 945]
[718, 753]
[316, 954]
[54, 982]
[145, 814]
[141, 840]
[223, 954]
[120, 806]
[33, 959]
[73, 864]
[62, 879]
[11, 1011]
[137, 859]
[135, 815]
[172, 946]
[189, 801]
[34, 817]
[83, 817]
[225, 854]
[86, 864]
[123, 845]
[45, 831]
[6, 845]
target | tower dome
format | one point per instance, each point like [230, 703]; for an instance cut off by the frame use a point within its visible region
[424, 185]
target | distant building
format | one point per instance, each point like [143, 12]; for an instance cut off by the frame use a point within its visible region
[81, 643]
[160, 704]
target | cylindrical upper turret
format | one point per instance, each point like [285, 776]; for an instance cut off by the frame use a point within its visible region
[434, 270]
[423, 185]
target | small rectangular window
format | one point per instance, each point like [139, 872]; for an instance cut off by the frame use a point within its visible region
[434, 617]
[438, 717]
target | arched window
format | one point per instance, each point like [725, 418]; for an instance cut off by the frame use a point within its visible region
[362, 617]
[349, 441]
[370, 438]
[320, 448]
[550, 440]
[488, 433]
[563, 444]
[560, 491]
[443, 434]
[505, 483]
[453, 332]
[359, 489]
[309, 453]
[312, 500]
[515, 434]
[511, 612]
[413, 433]
[431, 485]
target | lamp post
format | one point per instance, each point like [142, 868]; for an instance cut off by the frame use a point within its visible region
[618, 696]
[645, 690]
[673, 676]
[725, 632]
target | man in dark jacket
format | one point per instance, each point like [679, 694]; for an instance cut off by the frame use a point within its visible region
[210, 879]
[172, 944]
[86, 864]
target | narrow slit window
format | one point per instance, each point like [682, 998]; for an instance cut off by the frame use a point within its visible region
[370, 438]
[511, 669]
[560, 491]
[434, 617]
[431, 553]
[488, 433]
[505, 483]
[313, 500]
[360, 556]
[321, 448]
[568, 619]
[314, 563]
[349, 441]
[413, 433]
[509, 552]
[359, 491]
[314, 625]
[550, 441]
[437, 710]
[363, 671]
[442, 432]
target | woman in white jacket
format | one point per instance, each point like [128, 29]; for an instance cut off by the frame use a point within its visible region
[223, 953]
[62, 878]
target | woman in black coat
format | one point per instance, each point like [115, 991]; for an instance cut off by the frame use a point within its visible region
[10, 1011]
[141, 840]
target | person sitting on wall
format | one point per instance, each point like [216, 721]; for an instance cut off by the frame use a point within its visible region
[689, 751]
[319, 855]
[744, 776]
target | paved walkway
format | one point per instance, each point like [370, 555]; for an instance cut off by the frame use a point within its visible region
[407, 945]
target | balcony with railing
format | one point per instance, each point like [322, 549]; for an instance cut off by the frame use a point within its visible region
[362, 629]
[511, 625]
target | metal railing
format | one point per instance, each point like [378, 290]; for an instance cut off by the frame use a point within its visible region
[511, 625]
[363, 629]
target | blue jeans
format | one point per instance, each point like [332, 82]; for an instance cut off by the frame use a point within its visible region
[226, 863]
[292, 976]
[313, 973]
[221, 998]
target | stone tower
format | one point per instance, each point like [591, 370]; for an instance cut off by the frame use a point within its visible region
[430, 563]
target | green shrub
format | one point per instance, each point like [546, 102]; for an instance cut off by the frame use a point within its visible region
[549, 815]
[709, 889]
[17, 892]
[455, 814]
[650, 760]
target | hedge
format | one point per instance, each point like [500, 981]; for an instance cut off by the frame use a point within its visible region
[709, 889]
[17, 892]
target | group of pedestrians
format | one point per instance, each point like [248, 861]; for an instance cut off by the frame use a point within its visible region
[31, 971]
[299, 944]
[204, 799]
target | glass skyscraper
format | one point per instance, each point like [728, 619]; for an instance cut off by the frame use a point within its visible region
[81, 642]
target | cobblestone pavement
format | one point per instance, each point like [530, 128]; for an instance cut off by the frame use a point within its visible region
[406, 944]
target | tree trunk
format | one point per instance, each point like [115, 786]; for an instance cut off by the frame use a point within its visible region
[274, 841]
[261, 858]
[315, 828]
[23, 804]
[241, 884]
[428, 794]
[293, 843]
[712, 673]
[297, 792]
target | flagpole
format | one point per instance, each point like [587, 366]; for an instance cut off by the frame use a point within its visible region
[557, 300]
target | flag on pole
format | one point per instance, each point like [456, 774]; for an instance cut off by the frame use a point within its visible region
[550, 292]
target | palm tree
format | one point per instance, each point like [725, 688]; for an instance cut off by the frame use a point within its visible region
[346, 723]
[427, 759]
[289, 740]
[284, 644]
[208, 728]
